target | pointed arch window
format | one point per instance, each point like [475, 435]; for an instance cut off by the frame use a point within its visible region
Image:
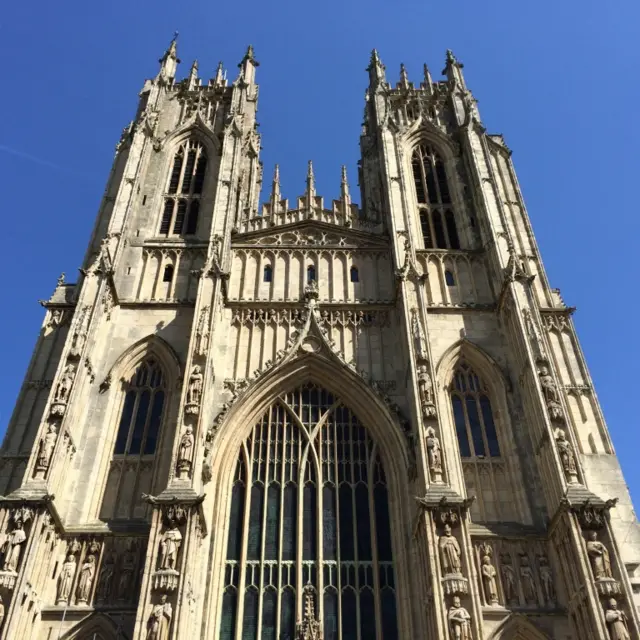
[309, 511]
[437, 219]
[136, 442]
[484, 467]
[181, 206]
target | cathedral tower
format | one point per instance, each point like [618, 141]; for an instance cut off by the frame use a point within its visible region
[312, 420]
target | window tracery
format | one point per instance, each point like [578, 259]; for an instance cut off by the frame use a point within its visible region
[309, 511]
[136, 441]
[481, 452]
[182, 198]
[437, 219]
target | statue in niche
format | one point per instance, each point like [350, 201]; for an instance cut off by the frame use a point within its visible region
[460, 621]
[434, 454]
[425, 388]
[105, 578]
[449, 552]
[508, 579]
[45, 449]
[567, 457]
[489, 580]
[160, 620]
[617, 621]
[13, 544]
[65, 580]
[194, 391]
[546, 578]
[419, 339]
[528, 581]
[599, 556]
[127, 580]
[548, 384]
[170, 546]
[64, 386]
[185, 450]
[85, 582]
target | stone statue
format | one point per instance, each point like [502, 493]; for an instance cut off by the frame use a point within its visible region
[12, 546]
[617, 622]
[186, 446]
[528, 581]
[169, 547]
[546, 577]
[85, 582]
[105, 579]
[419, 340]
[127, 579]
[449, 552]
[489, 580]
[194, 392]
[508, 579]
[567, 457]
[65, 580]
[599, 556]
[549, 389]
[160, 620]
[45, 449]
[64, 386]
[425, 387]
[434, 454]
[460, 621]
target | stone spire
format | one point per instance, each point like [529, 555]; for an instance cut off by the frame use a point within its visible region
[248, 66]
[192, 82]
[453, 70]
[428, 80]
[377, 76]
[345, 196]
[169, 61]
[275, 190]
[404, 78]
[309, 628]
[310, 193]
[218, 79]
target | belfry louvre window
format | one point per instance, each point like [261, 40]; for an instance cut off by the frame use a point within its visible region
[131, 467]
[182, 197]
[484, 469]
[309, 510]
[437, 220]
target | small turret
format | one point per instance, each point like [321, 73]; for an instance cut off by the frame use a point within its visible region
[193, 81]
[169, 61]
[219, 79]
[453, 70]
[428, 80]
[248, 66]
[404, 78]
[377, 78]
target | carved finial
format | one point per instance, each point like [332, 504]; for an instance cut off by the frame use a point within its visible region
[404, 78]
[249, 56]
[309, 628]
[311, 185]
[169, 61]
[218, 80]
[345, 196]
[376, 71]
[61, 279]
[275, 189]
[453, 69]
[428, 81]
[193, 75]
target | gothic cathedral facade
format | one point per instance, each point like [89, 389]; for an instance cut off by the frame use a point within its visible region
[299, 421]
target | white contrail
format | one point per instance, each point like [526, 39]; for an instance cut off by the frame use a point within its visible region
[46, 163]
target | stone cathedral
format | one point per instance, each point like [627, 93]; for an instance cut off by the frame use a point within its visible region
[302, 420]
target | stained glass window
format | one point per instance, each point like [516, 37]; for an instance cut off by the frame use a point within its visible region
[315, 506]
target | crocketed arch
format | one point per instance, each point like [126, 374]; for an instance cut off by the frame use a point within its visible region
[479, 417]
[96, 626]
[143, 378]
[380, 443]
[518, 627]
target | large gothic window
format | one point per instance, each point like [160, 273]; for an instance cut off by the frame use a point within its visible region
[437, 220]
[182, 197]
[309, 507]
[131, 468]
[482, 459]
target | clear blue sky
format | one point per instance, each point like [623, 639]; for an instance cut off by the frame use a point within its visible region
[558, 79]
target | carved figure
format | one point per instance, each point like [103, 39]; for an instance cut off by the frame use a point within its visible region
[419, 339]
[546, 578]
[160, 620]
[567, 457]
[85, 582]
[65, 580]
[434, 453]
[169, 547]
[549, 389]
[489, 580]
[45, 450]
[186, 446]
[105, 578]
[449, 552]
[64, 386]
[460, 621]
[194, 392]
[425, 387]
[599, 556]
[126, 580]
[617, 622]
[528, 581]
[508, 579]
[12, 546]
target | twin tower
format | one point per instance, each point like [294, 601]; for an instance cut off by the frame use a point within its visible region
[316, 421]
